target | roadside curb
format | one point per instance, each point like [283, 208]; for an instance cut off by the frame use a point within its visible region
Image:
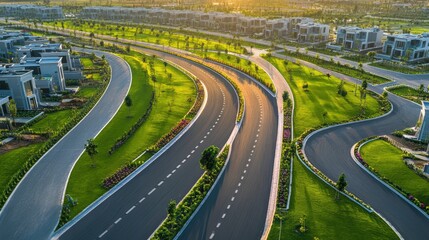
[109, 193]
[377, 178]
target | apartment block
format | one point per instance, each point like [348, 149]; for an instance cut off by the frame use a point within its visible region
[277, 28]
[358, 39]
[31, 11]
[20, 86]
[310, 32]
[411, 47]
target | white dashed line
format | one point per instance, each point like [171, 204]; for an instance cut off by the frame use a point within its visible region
[247, 165]
[218, 225]
[242, 177]
[211, 236]
[192, 151]
[214, 125]
[228, 206]
[256, 140]
[239, 184]
[244, 171]
[188, 156]
[250, 160]
[169, 175]
[178, 166]
[208, 133]
[201, 141]
[184, 160]
[151, 191]
[118, 220]
[254, 146]
[173, 171]
[160, 183]
[196, 147]
[223, 215]
[141, 200]
[205, 136]
[129, 210]
[236, 191]
[101, 235]
[232, 199]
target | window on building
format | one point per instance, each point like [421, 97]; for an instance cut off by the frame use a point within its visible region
[28, 88]
[4, 85]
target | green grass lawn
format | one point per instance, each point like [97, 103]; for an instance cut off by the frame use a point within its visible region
[326, 217]
[11, 162]
[241, 63]
[387, 160]
[189, 41]
[321, 97]
[173, 100]
[53, 121]
[86, 62]
[87, 92]
[409, 93]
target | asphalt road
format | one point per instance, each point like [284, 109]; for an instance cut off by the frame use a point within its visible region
[237, 207]
[33, 209]
[139, 207]
[329, 151]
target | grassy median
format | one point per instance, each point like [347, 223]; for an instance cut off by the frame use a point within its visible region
[319, 103]
[325, 217]
[386, 159]
[173, 99]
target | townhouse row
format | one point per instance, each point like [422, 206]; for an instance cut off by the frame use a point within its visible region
[298, 29]
[30, 11]
[42, 69]
[408, 47]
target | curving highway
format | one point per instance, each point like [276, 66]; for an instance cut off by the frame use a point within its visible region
[136, 209]
[237, 207]
[33, 209]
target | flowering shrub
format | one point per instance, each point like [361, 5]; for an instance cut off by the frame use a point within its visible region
[119, 175]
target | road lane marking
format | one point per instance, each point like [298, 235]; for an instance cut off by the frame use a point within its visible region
[236, 191]
[250, 159]
[201, 141]
[228, 206]
[178, 166]
[151, 191]
[218, 225]
[254, 146]
[242, 177]
[247, 165]
[169, 175]
[196, 147]
[211, 235]
[184, 160]
[256, 140]
[141, 200]
[160, 183]
[244, 171]
[118, 220]
[205, 136]
[192, 151]
[239, 184]
[101, 235]
[129, 210]
[173, 171]
[223, 215]
[188, 156]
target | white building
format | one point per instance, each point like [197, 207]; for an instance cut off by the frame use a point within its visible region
[310, 32]
[358, 39]
[410, 47]
[422, 125]
[20, 86]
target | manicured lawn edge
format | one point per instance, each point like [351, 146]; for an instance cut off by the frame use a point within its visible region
[398, 67]
[301, 141]
[17, 177]
[338, 67]
[396, 87]
[171, 226]
[358, 159]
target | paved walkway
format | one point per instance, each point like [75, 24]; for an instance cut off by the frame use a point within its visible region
[33, 209]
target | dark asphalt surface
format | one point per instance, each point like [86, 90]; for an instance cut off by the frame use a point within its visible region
[237, 207]
[139, 207]
[33, 209]
[329, 151]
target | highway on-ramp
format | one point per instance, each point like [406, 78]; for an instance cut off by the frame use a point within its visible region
[329, 151]
[33, 209]
[136, 209]
[237, 207]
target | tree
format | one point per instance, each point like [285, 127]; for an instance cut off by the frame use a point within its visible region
[371, 55]
[13, 110]
[208, 158]
[165, 66]
[360, 66]
[364, 84]
[341, 184]
[421, 90]
[128, 103]
[91, 149]
[324, 115]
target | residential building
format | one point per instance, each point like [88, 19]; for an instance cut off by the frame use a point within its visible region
[4, 106]
[251, 25]
[277, 28]
[422, 125]
[43, 69]
[20, 86]
[358, 39]
[310, 32]
[410, 47]
[30, 11]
